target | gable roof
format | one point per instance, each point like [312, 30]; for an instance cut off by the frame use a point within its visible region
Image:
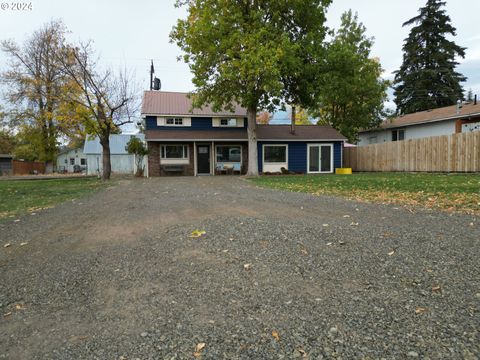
[264, 132]
[178, 103]
[117, 144]
[441, 114]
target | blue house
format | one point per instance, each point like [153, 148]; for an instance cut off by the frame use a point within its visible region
[186, 141]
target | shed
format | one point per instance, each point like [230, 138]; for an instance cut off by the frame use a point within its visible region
[121, 161]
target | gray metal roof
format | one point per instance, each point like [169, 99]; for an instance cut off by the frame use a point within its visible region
[178, 103]
[117, 144]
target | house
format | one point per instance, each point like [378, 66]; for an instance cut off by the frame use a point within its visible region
[71, 160]
[6, 164]
[121, 161]
[442, 121]
[186, 141]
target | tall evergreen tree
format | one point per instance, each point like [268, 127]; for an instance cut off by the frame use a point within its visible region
[427, 78]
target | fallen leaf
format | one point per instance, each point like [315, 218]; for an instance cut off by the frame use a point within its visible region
[304, 252]
[471, 224]
[325, 225]
[436, 288]
[429, 270]
[16, 220]
[23, 243]
[197, 233]
[7, 314]
[302, 352]
[7, 245]
[341, 242]
[247, 266]
[354, 224]
[420, 310]
[198, 349]
[275, 335]
[391, 253]
[346, 216]
[329, 243]
[20, 307]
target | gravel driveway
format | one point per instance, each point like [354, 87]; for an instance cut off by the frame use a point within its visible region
[278, 275]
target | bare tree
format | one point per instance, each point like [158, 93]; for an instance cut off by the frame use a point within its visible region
[35, 83]
[108, 100]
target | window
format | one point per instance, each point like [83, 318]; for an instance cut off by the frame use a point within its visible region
[227, 153]
[398, 135]
[72, 161]
[174, 121]
[174, 152]
[275, 154]
[66, 161]
[228, 122]
[83, 162]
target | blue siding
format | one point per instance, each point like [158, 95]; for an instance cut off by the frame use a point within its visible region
[198, 123]
[297, 154]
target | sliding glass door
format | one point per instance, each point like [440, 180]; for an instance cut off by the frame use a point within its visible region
[320, 158]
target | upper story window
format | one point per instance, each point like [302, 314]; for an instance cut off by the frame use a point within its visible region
[174, 121]
[228, 122]
[398, 135]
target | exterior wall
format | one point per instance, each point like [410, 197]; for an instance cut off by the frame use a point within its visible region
[121, 164]
[297, 154]
[197, 123]
[411, 132]
[63, 160]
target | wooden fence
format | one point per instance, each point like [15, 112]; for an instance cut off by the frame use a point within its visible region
[28, 167]
[447, 153]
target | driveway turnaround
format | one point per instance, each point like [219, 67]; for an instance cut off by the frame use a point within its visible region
[271, 275]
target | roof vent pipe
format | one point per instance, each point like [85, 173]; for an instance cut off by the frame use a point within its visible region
[475, 100]
[459, 105]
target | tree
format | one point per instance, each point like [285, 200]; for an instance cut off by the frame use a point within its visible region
[137, 147]
[7, 142]
[427, 78]
[36, 85]
[264, 117]
[351, 92]
[302, 116]
[104, 101]
[255, 53]
[469, 96]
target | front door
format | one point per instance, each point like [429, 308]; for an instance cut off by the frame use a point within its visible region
[320, 158]
[203, 159]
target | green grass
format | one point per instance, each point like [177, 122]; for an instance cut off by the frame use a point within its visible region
[455, 192]
[18, 197]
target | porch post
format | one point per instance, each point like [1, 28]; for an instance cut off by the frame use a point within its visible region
[194, 158]
[212, 167]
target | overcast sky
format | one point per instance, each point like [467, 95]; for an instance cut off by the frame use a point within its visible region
[130, 33]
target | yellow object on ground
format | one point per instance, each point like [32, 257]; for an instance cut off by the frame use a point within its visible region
[343, 171]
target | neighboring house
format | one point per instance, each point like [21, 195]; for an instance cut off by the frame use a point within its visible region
[186, 141]
[121, 161]
[71, 160]
[442, 121]
[6, 164]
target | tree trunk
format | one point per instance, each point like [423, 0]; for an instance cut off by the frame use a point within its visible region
[252, 142]
[107, 167]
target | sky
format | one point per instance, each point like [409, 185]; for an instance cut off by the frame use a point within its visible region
[131, 33]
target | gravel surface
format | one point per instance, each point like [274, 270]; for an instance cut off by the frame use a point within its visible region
[278, 275]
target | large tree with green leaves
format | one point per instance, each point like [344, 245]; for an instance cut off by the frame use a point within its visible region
[260, 54]
[427, 78]
[351, 92]
[36, 86]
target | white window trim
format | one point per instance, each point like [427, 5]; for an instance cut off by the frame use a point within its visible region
[183, 160]
[319, 165]
[229, 162]
[275, 165]
[162, 121]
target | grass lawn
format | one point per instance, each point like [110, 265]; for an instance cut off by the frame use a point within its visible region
[18, 197]
[455, 192]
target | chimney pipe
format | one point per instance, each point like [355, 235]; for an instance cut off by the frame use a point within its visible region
[292, 129]
[475, 100]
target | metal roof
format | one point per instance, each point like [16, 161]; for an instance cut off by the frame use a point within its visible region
[117, 144]
[178, 103]
[264, 132]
